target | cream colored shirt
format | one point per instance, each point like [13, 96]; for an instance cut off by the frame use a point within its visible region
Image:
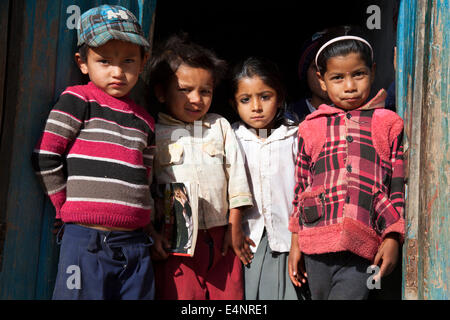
[270, 167]
[205, 152]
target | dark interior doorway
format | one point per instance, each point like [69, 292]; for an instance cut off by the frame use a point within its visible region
[273, 29]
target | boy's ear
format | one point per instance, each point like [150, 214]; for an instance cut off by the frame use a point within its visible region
[81, 63]
[144, 62]
[159, 93]
[321, 81]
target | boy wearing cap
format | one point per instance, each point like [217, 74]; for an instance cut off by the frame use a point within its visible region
[94, 160]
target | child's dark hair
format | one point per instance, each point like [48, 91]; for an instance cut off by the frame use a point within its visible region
[177, 50]
[308, 53]
[344, 47]
[269, 73]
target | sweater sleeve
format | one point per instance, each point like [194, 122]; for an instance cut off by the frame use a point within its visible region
[149, 155]
[397, 192]
[239, 194]
[302, 176]
[61, 129]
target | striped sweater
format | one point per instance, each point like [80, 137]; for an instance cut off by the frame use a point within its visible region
[94, 159]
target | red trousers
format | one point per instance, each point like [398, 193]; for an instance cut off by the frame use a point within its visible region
[208, 275]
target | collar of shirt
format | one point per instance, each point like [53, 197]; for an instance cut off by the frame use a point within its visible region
[376, 102]
[164, 118]
[279, 133]
[310, 106]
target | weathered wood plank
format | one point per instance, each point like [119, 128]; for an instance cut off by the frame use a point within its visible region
[28, 96]
[435, 168]
[405, 87]
[423, 96]
[4, 19]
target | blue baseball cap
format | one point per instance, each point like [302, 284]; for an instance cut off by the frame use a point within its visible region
[101, 24]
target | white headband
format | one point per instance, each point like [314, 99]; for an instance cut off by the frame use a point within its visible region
[340, 39]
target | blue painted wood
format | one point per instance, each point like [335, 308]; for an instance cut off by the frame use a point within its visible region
[404, 87]
[45, 56]
[423, 100]
[436, 199]
[405, 53]
[24, 207]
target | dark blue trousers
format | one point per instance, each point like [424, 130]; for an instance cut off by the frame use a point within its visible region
[102, 265]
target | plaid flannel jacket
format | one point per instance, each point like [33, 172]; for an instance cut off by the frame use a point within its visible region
[349, 190]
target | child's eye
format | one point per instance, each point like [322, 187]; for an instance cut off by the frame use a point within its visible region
[359, 74]
[244, 100]
[265, 97]
[336, 77]
[129, 60]
[103, 61]
[206, 92]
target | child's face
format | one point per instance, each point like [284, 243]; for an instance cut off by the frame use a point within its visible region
[113, 67]
[347, 80]
[189, 93]
[256, 103]
[313, 82]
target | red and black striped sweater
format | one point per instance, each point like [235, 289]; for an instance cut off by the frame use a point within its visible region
[94, 158]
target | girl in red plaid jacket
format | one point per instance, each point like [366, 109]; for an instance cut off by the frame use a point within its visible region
[348, 209]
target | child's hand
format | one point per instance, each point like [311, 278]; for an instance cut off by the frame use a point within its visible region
[388, 253]
[157, 250]
[57, 225]
[160, 244]
[296, 263]
[236, 238]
